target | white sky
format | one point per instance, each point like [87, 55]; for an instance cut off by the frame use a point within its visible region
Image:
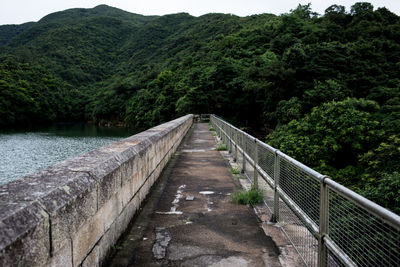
[20, 11]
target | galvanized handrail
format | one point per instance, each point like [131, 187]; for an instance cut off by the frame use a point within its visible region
[349, 229]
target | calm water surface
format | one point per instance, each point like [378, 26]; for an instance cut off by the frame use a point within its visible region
[22, 153]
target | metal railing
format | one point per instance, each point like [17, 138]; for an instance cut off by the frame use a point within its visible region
[327, 223]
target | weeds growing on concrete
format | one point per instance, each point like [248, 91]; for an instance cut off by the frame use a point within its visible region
[235, 170]
[212, 129]
[252, 196]
[221, 147]
[176, 154]
[116, 248]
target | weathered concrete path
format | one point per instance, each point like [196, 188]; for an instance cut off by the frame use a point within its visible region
[192, 221]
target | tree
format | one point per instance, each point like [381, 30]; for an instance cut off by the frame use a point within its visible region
[383, 159]
[361, 8]
[288, 110]
[384, 191]
[331, 137]
[335, 10]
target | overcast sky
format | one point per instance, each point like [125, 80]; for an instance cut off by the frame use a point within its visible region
[20, 11]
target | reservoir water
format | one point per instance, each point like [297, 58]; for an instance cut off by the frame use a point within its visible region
[22, 153]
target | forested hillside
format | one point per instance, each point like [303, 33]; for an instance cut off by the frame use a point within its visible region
[323, 88]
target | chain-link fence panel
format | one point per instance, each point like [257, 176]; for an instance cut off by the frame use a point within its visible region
[366, 239]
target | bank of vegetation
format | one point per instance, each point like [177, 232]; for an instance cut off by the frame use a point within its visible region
[322, 88]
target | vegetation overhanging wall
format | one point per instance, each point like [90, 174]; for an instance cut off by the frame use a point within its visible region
[73, 212]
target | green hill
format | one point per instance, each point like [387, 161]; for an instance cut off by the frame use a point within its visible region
[8, 32]
[326, 87]
[105, 55]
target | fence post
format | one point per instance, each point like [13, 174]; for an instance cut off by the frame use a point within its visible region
[244, 157]
[230, 139]
[222, 134]
[277, 174]
[236, 146]
[255, 161]
[225, 136]
[323, 224]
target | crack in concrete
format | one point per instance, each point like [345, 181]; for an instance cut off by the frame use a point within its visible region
[51, 248]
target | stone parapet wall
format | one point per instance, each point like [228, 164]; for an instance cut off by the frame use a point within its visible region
[71, 214]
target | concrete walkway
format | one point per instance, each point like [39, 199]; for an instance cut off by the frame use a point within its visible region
[190, 221]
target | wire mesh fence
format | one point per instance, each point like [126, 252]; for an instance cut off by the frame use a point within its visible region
[301, 188]
[266, 159]
[328, 227]
[366, 239]
[298, 234]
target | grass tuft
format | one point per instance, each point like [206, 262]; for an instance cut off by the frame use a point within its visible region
[221, 147]
[212, 129]
[116, 248]
[235, 170]
[252, 196]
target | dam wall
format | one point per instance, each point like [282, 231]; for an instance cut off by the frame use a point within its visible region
[72, 213]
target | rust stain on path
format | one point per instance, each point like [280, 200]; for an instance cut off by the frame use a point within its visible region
[197, 225]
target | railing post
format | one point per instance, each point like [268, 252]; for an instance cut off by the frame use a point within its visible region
[323, 224]
[225, 136]
[244, 157]
[222, 133]
[277, 174]
[230, 139]
[255, 161]
[236, 146]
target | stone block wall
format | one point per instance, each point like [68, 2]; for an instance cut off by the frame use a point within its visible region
[71, 214]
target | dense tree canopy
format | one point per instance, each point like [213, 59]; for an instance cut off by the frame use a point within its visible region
[326, 87]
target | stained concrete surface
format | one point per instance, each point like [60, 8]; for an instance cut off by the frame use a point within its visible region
[206, 231]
